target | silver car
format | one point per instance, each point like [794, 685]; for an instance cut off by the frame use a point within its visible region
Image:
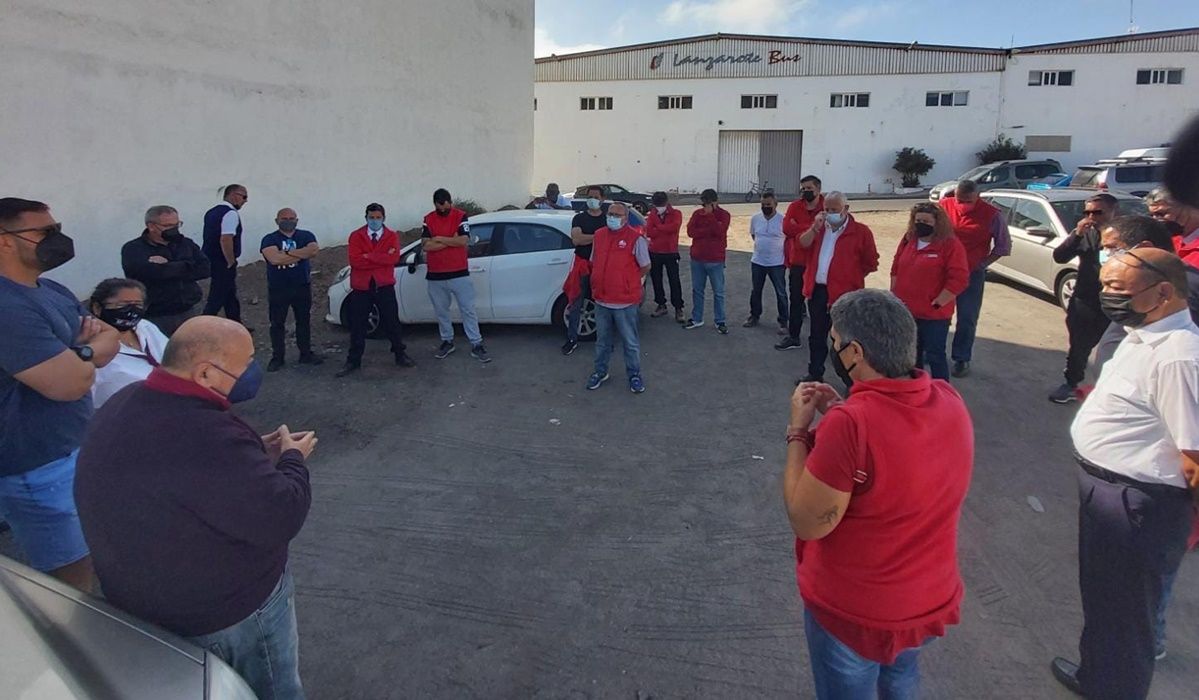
[60, 644]
[1038, 221]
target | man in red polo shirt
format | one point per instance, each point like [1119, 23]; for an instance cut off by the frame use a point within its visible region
[447, 239]
[982, 229]
[374, 253]
[800, 215]
[662, 227]
[841, 253]
[874, 495]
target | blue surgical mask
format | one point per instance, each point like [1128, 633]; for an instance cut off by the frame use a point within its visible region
[614, 223]
[247, 385]
[593, 203]
[1104, 256]
[374, 224]
[834, 219]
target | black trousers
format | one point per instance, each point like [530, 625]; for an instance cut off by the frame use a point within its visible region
[222, 293]
[361, 302]
[818, 338]
[169, 323]
[1085, 324]
[798, 302]
[298, 300]
[670, 263]
[1129, 539]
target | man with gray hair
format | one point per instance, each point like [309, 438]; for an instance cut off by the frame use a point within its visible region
[874, 494]
[169, 264]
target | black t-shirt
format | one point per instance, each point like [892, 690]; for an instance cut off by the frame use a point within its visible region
[589, 225]
[295, 274]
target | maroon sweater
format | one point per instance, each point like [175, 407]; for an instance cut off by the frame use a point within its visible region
[709, 234]
[187, 516]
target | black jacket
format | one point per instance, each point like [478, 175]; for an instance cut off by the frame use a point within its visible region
[1086, 248]
[170, 287]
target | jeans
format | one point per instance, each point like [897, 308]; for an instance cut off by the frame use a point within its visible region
[797, 304]
[839, 673]
[462, 290]
[931, 336]
[701, 273]
[818, 336]
[1085, 326]
[264, 648]
[40, 506]
[778, 280]
[222, 292]
[574, 312]
[970, 305]
[670, 263]
[624, 323]
[298, 300]
[384, 299]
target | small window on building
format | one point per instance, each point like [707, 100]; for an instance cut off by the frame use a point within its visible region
[1159, 76]
[1047, 144]
[759, 101]
[949, 98]
[849, 99]
[674, 102]
[1051, 77]
[595, 103]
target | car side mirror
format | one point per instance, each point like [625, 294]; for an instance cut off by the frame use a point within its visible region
[1041, 232]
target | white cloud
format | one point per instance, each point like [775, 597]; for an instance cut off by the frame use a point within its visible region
[544, 45]
[749, 16]
[863, 14]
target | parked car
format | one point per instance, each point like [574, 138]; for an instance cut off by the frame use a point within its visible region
[1038, 221]
[1002, 174]
[1054, 181]
[1136, 176]
[638, 200]
[519, 261]
[61, 643]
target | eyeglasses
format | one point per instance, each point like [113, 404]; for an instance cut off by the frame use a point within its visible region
[1147, 265]
[166, 226]
[51, 230]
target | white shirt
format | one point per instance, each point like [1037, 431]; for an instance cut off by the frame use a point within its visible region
[768, 239]
[129, 365]
[827, 247]
[1145, 408]
[230, 221]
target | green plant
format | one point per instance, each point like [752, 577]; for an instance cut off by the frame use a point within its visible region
[911, 163]
[470, 206]
[1002, 148]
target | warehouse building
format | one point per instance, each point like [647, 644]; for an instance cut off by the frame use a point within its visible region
[111, 107]
[726, 110]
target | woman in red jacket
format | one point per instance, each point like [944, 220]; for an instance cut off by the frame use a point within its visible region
[928, 273]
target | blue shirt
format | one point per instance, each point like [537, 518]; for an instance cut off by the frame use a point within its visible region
[297, 273]
[39, 323]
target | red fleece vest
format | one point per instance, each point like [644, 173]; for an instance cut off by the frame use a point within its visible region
[973, 228]
[615, 274]
[446, 259]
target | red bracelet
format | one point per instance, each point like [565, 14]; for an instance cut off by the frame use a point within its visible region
[802, 435]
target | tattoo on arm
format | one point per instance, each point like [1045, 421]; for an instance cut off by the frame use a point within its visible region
[828, 516]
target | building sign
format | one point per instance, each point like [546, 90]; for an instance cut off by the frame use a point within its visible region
[709, 62]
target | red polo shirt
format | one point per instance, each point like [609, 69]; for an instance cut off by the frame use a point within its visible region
[886, 578]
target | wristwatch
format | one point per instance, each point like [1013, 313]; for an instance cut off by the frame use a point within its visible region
[85, 352]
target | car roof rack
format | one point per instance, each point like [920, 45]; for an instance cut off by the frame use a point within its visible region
[1146, 160]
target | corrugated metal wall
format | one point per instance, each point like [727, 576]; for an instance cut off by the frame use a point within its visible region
[740, 152]
[1161, 44]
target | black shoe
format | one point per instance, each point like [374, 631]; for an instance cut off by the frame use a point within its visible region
[788, 344]
[275, 364]
[1064, 394]
[308, 358]
[1066, 673]
[750, 322]
[722, 329]
[403, 360]
[961, 369]
[569, 347]
[349, 368]
[447, 348]
[480, 353]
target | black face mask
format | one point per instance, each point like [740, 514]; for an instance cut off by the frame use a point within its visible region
[54, 250]
[123, 318]
[767, 210]
[841, 350]
[1118, 308]
[1174, 228]
[172, 234]
[808, 196]
[924, 230]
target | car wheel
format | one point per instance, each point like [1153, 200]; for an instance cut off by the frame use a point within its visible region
[1065, 288]
[372, 319]
[586, 318]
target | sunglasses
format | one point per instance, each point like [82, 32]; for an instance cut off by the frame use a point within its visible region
[51, 230]
[1092, 212]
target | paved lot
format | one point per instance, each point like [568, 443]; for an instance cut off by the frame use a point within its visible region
[496, 531]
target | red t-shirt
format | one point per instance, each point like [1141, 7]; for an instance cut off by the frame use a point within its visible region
[886, 578]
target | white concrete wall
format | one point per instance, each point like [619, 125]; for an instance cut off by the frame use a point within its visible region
[111, 107]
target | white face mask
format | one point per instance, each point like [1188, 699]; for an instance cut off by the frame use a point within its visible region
[661, 210]
[593, 203]
[834, 219]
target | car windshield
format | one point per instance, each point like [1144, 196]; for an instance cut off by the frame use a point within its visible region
[974, 173]
[1070, 212]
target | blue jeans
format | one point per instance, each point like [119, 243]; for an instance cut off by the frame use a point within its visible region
[840, 673]
[574, 312]
[462, 289]
[701, 273]
[778, 280]
[931, 337]
[617, 321]
[40, 506]
[264, 648]
[970, 305]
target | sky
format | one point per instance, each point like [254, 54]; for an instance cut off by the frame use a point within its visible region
[566, 26]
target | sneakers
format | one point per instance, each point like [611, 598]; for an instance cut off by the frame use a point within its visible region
[679, 317]
[1064, 394]
[275, 364]
[349, 368]
[788, 343]
[309, 358]
[636, 385]
[750, 322]
[403, 360]
[569, 347]
[693, 324]
[480, 353]
[961, 369]
[1160, 653]
[447, 348]
[658, 312]
[784, 330]
[596, 380]
[722, 329]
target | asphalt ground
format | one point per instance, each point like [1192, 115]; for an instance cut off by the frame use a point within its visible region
[497, 531]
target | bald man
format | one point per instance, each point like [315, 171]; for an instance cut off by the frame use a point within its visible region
[189, 512]
[1136, 441]
[288, 252]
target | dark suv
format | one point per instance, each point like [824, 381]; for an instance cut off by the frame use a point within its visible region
[638, 200]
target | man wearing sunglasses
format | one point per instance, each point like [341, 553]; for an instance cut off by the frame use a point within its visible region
[1085, 322]
[49, 352]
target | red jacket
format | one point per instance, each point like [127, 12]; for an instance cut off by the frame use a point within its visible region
[1188, 253]
[919, 276]
[973, 228]
[854, 257]
[615, 274]
[663, 231]
[447, 259]
[798, 220]
[373, 261]
[709, 234]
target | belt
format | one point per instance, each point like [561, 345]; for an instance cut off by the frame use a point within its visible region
[1113, 478]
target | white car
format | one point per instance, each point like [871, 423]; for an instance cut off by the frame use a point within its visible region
[519, 261]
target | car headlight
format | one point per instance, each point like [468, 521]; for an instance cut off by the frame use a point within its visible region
[342, 274]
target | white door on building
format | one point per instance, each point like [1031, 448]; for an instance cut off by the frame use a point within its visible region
[740, 153]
